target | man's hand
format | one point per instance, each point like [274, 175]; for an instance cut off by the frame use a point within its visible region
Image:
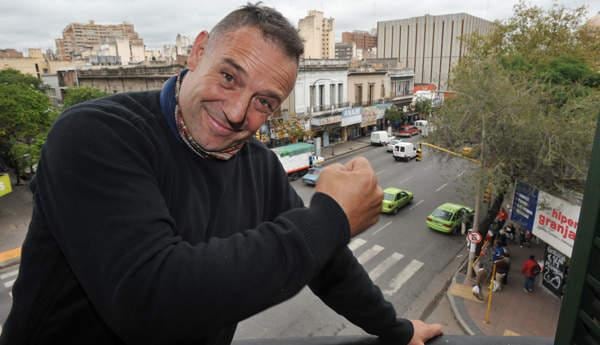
[424, 331]
[354, 187]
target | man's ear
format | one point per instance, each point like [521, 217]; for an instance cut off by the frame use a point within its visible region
[197, 50]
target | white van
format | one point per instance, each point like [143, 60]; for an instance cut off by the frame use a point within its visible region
[423, 127]
[380, 138]
[404, 151]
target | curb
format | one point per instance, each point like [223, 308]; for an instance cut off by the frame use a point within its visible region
[10, 257]
[352, 150]
[457, 306]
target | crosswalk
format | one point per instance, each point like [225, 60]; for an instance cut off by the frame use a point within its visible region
[7, 280]
[385, 263]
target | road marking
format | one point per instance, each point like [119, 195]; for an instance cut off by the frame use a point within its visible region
[10, 254]
[441, 187]
[461, 173]
[385, 265]
[404, 276]
[379, 172]
[405, 180]
[9, 283]
[369, 254]
[417, 204]
[383, 227]
[9, 274]
[356, 243]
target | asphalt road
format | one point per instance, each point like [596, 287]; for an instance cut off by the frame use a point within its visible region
[401, 255]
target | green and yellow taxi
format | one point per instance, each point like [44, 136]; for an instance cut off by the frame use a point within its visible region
[394, 199]
[447, 218]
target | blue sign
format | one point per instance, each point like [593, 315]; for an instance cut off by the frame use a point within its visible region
[524, 205]
[351, 111]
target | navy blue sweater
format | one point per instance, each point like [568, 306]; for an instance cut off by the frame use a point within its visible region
[134, 239]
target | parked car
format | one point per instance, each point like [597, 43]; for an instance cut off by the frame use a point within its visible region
[447, 218]
[408, 131]
[390, 145]
[380, 138]
[394, 199]
[404, 151]
[312, 176]
[423, 127]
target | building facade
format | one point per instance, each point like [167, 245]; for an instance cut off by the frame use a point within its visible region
[318, 36]
[345, 51]
[429, 45]
[79, 41]
[362, 39]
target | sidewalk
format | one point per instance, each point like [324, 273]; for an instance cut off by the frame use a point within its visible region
[341, 149]
[513, 311]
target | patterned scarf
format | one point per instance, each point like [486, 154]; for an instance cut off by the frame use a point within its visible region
[187, 138]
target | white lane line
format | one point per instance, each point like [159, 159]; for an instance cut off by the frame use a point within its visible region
[9, 283]
[461, 173]
[405, 180]
[369, 254]
[356, 243]
[9, 274]
[441, 187]
[417, 204]
[404, 276]
[379, 172]
[385, 265]
[383, 227]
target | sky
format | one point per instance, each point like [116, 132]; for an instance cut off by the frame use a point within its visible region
[35, 23]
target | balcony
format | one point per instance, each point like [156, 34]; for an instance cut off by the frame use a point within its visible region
[322, 109]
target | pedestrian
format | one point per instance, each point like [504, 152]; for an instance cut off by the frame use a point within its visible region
[481, 275]
[530, 270]
[159, 218]
[501, 217]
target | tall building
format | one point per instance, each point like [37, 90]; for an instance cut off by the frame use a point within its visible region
[345, 51]
[362, 39]
[317, 33]
[429, 45]
[80, 40]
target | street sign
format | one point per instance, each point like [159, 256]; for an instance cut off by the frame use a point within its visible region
[474, 237]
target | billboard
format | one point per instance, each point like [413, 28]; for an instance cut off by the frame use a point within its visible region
[551, 219]
[5, 186]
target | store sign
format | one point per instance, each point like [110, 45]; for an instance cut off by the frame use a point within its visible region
[551, 219]
[351, 116]
[369, 117]
[327, 120]
[555, 271]
[5, 186]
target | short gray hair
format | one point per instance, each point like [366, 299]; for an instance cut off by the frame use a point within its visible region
[269, 21]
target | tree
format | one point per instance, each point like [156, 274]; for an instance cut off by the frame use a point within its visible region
[12, 76]
[531, 87]
[81, 94]
[394, 115]
[423, 106]
[25, 117]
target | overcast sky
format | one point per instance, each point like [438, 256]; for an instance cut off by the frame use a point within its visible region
[35, 23]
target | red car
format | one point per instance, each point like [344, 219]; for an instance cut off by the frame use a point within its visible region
[408, 131]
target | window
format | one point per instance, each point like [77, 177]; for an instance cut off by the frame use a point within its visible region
[340, 93]
[370, 93]
[358, 94]
[321, 95]
[312, 96]
[332, 94]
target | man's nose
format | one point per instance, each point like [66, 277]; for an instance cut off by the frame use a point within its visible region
[236, 110]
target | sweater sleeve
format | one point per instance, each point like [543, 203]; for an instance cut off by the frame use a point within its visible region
[344, 285]
[98, 191]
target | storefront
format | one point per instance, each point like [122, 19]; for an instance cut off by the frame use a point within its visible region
[351, 120]
[328, 128]
[369, 120]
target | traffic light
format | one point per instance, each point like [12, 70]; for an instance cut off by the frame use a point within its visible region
[487, 194]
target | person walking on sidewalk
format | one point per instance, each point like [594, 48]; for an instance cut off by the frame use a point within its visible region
[530, 270]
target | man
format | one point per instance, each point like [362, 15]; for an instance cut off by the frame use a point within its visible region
[530, 270]
[159, 220]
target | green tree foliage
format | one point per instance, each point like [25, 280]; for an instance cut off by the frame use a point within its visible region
[81, 94]
[532, 87]
[423, 106]
[12, 76]
[26, 115]
[394, 115]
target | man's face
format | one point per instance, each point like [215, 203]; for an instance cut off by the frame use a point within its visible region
[235, 82]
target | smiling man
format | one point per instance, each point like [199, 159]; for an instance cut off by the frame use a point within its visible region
[158, 219]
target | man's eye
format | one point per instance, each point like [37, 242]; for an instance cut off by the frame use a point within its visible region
[265, 103]
[227, 77]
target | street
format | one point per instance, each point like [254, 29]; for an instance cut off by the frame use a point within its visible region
[401, 255]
